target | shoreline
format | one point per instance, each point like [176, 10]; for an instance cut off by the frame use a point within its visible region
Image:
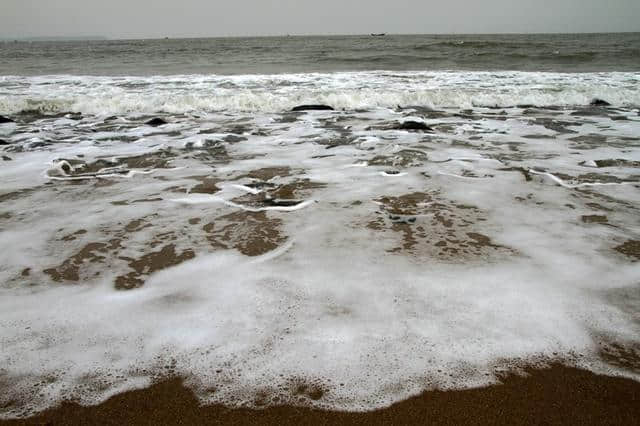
[554, 395]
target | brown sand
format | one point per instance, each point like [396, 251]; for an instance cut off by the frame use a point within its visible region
[557, 395]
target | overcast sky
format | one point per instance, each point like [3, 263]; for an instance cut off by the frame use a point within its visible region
[201, 18]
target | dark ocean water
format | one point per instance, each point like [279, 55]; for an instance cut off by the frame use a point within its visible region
[268, 55]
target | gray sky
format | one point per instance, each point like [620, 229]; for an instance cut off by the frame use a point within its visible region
[200, 18]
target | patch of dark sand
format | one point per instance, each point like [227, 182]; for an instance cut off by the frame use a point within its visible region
[207, 185]
[525, 172]
[403, 158]
[617, 163]
[70, 269]
[15, 195]
[619, 204]
[432, 226]
[604, 178]
[136, 225]
[209, 131]
[594, 111]
[409, 125]
[297, 189]
[122, 165]
[337, 141]
[538, 136]
[251, 233]
[149, 263]
[557, 395]
[285, 195]
[237, 129]
[557, 126]
[90, 260]
[31, 115]
[142, 200]
[211, 152]
[73, 236]
[630, 248]
[154, 160]
[593, 178]
[593, 141]
[288, 117]
[625, 356]
[596, 206]
[267, 173]
[594, 219]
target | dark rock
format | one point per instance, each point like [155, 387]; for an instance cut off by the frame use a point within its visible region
[112, 118]
[3, 142]
[5, 158]
[413, 125]
[5, 120]
[66, 167]
[313, 108]
[155, 122]
[599, 102]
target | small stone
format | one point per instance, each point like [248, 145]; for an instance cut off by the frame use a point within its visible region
[155, 122]
[413, 125]
[313, 108]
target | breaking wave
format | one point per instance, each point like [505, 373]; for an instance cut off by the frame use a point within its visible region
[278, 93]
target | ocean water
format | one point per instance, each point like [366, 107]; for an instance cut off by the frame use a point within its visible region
[277, 55]
[464, 210]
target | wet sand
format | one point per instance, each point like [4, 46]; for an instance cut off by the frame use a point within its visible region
[556, 395]
[326, 249]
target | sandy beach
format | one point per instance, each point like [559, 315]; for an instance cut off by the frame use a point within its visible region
[554, 396]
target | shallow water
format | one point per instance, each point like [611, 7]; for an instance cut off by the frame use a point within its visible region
[325, 258]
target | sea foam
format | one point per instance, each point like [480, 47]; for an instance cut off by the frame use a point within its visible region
[278, 93]
[350, 292]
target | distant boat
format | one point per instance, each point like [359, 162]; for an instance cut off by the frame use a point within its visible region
[378, 34]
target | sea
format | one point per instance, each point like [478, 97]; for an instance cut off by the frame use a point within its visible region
[340, 222]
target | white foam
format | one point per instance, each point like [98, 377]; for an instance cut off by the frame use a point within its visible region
[277, 93]
[335, 301]
[562, 183]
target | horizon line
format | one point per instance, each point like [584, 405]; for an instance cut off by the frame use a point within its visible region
[108, 38]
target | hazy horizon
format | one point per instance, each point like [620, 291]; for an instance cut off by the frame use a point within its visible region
[120, 19]
[98, 37]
